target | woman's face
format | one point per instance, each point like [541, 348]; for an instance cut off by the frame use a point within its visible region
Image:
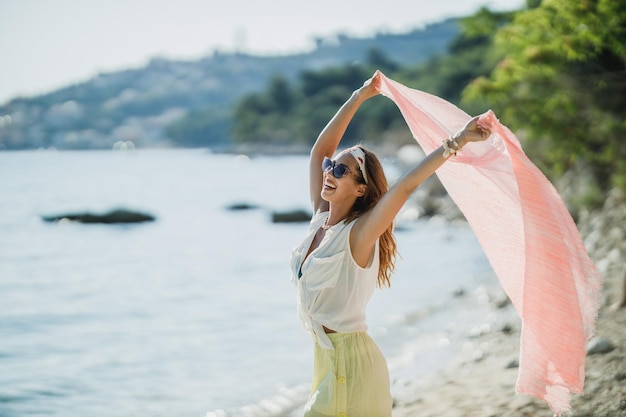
[346, 187]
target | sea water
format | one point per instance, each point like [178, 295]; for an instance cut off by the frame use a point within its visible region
[192, 314]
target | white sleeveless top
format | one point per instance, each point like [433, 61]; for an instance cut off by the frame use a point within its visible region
[333, 290]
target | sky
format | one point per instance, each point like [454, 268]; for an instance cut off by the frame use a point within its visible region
[49, 44]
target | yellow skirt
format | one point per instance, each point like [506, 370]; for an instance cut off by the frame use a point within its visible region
[350, 381]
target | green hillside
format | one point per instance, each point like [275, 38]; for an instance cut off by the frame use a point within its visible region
[139, 105]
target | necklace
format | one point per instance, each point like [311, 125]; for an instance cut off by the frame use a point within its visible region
[326, 226]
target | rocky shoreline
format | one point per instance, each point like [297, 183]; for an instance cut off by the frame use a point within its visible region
[483, 385]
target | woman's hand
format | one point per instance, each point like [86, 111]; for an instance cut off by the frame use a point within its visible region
[472, 132]
[370, 87]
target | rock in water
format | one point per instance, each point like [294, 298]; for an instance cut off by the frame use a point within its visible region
[293, 216]
[118, 216]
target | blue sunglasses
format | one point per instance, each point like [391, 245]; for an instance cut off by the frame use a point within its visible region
[338, 170]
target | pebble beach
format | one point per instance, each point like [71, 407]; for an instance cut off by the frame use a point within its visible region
[480, 382]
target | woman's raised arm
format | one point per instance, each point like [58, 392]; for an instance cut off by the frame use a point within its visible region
[372, 224]
[329, 138]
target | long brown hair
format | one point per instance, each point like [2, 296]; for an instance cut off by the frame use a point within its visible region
[377, 186]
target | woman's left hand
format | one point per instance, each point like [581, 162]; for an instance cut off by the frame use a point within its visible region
[472, 132]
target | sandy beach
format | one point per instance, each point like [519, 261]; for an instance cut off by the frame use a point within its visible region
[480, 382]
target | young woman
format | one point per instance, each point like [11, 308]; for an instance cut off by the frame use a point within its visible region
[348, 251]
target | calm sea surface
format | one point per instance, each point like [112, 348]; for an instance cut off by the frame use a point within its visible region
[193, 314]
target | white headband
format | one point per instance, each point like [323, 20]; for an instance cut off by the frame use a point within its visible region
[359, 155]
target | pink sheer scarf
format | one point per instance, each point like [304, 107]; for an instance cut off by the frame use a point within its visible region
[528, 236]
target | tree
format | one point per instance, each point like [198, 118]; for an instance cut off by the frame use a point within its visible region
[562, 85]
[378, 59]
[469, 56]
[261, 117]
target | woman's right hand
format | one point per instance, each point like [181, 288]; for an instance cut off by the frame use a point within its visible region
[370, 87]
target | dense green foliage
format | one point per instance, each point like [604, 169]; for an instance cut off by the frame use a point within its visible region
[469, 56]
[562, 86]
[287, 113]
[200, 128]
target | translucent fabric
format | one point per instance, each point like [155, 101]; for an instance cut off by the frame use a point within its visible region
[528, 236]
[351, 380]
